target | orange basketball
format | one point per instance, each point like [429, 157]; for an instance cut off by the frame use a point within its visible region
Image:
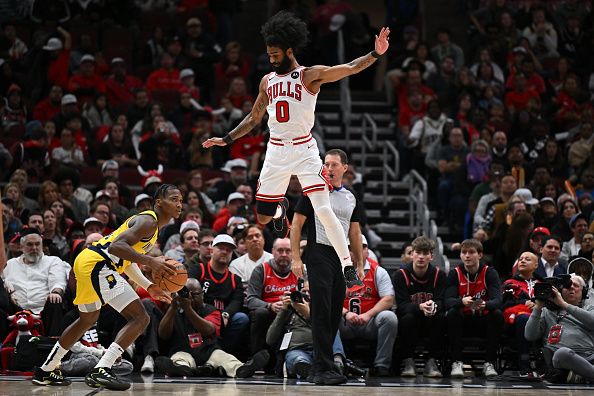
[174, 283]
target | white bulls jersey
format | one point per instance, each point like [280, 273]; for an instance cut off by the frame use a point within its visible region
[290, 105]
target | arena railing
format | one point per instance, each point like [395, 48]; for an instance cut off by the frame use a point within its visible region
[345, 92]
[368, 125]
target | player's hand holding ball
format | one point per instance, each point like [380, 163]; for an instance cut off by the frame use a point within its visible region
[162, 267]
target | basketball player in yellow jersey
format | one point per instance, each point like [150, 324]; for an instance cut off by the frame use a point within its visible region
[98, 271]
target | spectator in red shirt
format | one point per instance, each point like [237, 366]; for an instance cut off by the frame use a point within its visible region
[568, 112]
[235, 202]
[186, 76]
[404, 83]
[85, 84]
[517, 99]
[120, 86]
[233, 65]
[533, 80]
[414, 111]
[165, 78]
[57, 72]
[50, 106]
[237, 93]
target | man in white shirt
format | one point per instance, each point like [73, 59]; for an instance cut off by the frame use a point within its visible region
[244, 265]
[37, 282]
[579, 226]
[548, 263]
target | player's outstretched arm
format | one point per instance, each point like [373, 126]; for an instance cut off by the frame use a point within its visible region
[327, 74]
[247, 124]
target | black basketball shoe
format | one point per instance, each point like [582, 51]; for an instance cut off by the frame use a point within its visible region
[103, 377]
[353, 283]
[53, 378]
[281, 224]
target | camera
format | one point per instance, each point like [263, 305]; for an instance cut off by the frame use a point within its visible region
[299, 297]
[544, 290]
[184, 292]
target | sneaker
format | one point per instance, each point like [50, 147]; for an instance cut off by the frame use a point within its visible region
[329, 378]
[353, 283]
[103, 377]
[257, 362]
[353, 370]
[457, 370]
[165, 365]
[53, 378]
[205, 371]
[409, 368]
[149, 365]
[529, 376]
[281, 223]
[573, 378]
[431, 369]
[489, 370]
[302, 369]
[380, 371]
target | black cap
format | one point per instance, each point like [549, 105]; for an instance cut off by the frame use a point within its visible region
[29, 231]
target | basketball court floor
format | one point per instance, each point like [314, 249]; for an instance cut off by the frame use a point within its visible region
[156, 385]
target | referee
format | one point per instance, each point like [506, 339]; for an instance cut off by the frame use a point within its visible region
[324, 271]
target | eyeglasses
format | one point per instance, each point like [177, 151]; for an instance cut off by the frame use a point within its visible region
[196, 294]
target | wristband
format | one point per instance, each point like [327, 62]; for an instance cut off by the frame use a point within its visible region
[228, 139]
[375, 54]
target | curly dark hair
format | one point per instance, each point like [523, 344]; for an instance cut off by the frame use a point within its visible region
[285, 30]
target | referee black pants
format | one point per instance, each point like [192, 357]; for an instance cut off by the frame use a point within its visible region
[327, 290]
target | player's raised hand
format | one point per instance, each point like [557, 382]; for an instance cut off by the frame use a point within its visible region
[382, 41]
[214, 141]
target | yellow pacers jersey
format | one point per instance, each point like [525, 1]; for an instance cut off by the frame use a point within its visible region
[92, 259]
[143, 246]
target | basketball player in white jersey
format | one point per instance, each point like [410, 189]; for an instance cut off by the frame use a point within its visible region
[289, 96]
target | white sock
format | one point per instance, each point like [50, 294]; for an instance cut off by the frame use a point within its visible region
[110, 356]
[321, 204]
[54, 358]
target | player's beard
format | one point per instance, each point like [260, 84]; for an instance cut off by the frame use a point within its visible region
[284, 66]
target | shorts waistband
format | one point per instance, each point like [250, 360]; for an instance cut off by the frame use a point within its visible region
[295, 142]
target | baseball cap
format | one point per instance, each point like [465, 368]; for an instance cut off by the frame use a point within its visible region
[193, 22]
[576, 217]
[235, 163]
[141, 197]
[541, 231]
[92, 220]
[336, 22]
[547, 200]
[101, 194]
[109, 164]
[76, 226]
[564, 198]
[526, 196]
[29, 231]
[186, 73]
[53, 44]
[87, 58]
[223, 238]
[117, 60]
[236, 219]
[8, 201]
[364, 240]
[519, 49]
[189, 225]
[235, 195]
[68, 99]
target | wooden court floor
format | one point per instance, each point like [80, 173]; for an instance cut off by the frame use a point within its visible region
[149, 385]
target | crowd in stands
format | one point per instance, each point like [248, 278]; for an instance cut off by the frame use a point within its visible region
[502, 130]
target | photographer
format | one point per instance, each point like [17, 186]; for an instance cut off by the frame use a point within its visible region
[192, 329]
[566, 330]
[293, 318]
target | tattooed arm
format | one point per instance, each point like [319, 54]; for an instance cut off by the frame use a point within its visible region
[318, 75]
[248, 123]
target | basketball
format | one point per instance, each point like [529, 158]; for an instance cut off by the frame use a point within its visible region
[173, 283]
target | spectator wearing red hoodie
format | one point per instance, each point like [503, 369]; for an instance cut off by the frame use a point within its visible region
[186, 76]
[15, 111]
[50, 106]
[235, 201]
[85, 84]
[517, 99]
[165, 78]
[121, 86]
[57, 72]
